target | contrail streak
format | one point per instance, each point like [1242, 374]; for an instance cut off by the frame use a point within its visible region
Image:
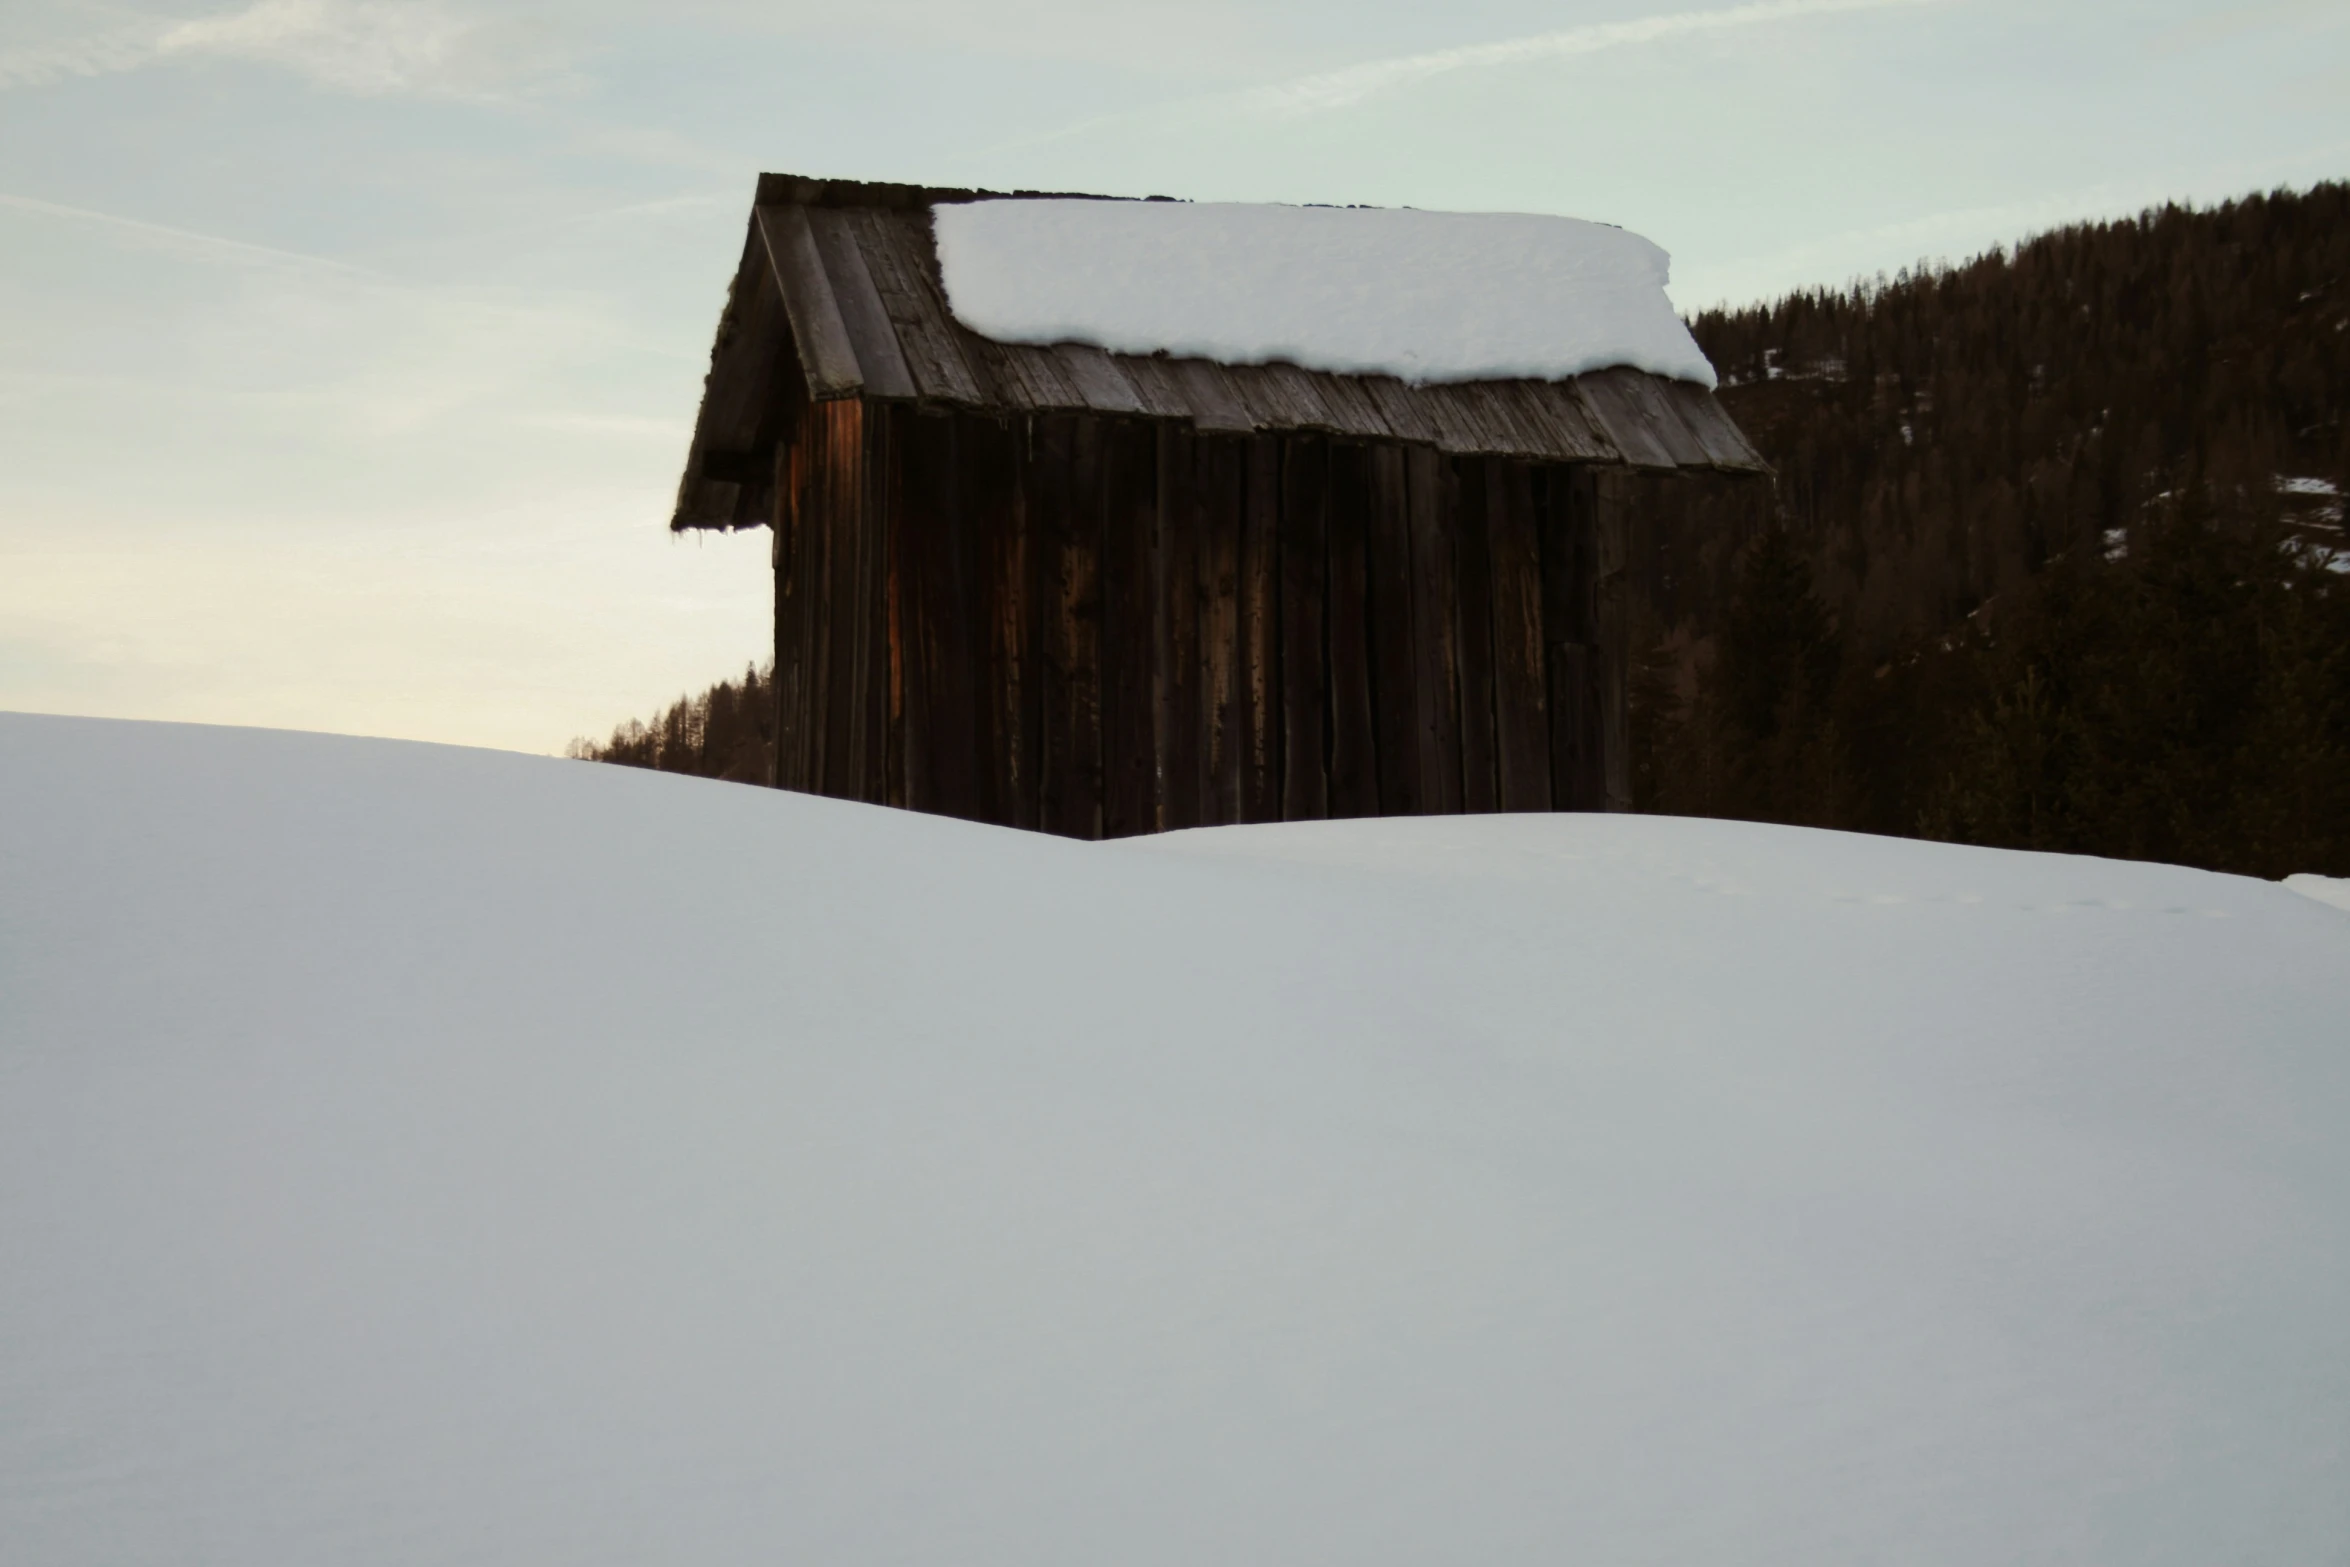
[186, 239]
[1337, 89]
[1327, 90]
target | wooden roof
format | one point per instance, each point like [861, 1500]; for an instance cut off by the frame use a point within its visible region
[839, 285]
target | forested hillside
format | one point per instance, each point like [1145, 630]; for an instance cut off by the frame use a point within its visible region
[2054, 557]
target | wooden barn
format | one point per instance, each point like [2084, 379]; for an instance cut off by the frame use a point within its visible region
[1100, 594]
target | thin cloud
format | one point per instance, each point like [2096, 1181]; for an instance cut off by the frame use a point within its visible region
[2235, 21]
[1325, 91]
[97, 54]
[661, 207]
[372, 48]
[359, 47]
[1338, 89]
[185, 240]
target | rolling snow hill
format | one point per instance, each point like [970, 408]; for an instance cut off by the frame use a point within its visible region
[417, 1155]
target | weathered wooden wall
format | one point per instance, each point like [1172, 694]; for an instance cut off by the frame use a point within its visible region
[1099, 627]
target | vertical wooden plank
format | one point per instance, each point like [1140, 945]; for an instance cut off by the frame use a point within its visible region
[1473, 629]
[1260, 633]
[1562, 658]
[1223, 492]
[1580, 491]
[1181, 770]
[961, 643]
[1394, 655]
[808, 579]
[999, 499]
[873, 512]
[1305, 491]
[1435, 649]
[1565, 507]
[1035, 612]
[1082, 600]
[1353, 750]
[844, 732]
[790, 609]
[943, 641]
[860, 779]
[824, 677]
[1014, 742]
[921, 442]
[1613, 497]
[1129, 521]
[815, 546]
[888, 457]
[1521, 716]
[1067, 465]
[1046, 459]
[779, 705]
[913, 488]
[1573, 718]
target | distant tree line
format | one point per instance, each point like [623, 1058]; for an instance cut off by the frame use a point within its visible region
[727, 732]
[2054, 557]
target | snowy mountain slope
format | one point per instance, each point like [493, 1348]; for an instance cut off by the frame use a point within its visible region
[412, 1154]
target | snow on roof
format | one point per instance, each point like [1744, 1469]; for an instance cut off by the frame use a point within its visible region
[1425, 296]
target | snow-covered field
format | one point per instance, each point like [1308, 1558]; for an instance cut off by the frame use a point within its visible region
[413, 1155]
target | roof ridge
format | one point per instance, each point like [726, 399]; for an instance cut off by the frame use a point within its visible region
[807, 191]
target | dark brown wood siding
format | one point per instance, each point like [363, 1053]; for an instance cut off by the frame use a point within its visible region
[1101, 626]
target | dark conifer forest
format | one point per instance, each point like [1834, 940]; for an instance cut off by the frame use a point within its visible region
[724, 733]
[2054, 557]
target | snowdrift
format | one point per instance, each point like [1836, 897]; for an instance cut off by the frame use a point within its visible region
[421, 1155]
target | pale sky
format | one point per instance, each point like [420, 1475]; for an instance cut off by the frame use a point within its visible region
[349, 348]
